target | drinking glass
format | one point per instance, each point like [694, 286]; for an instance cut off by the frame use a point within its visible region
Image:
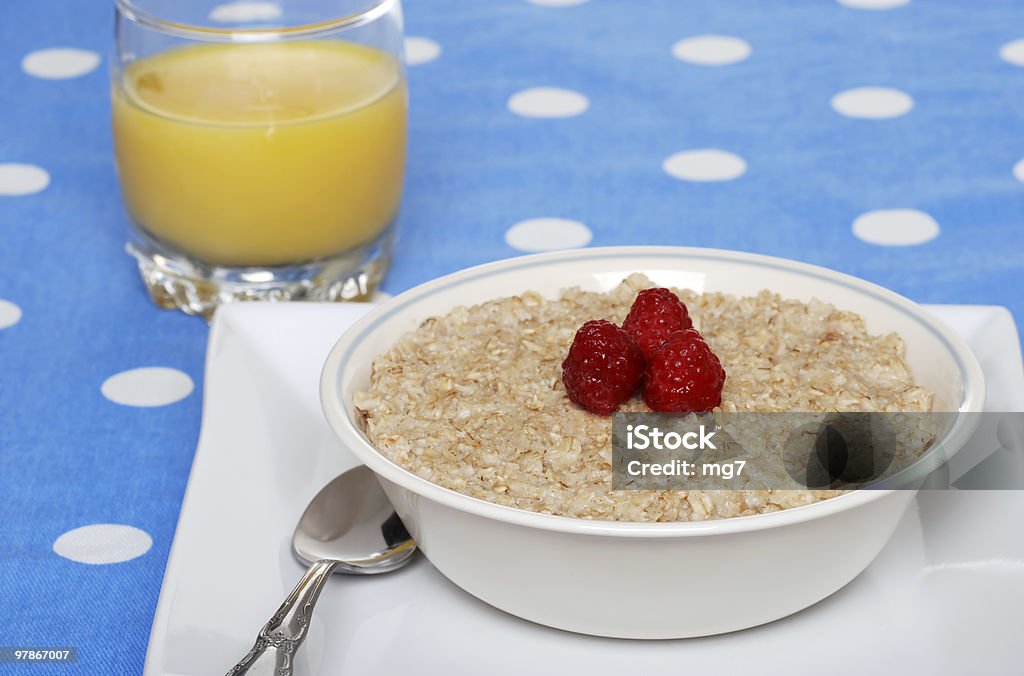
[260, 146]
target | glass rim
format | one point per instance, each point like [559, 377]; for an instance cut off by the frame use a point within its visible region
[131, 11]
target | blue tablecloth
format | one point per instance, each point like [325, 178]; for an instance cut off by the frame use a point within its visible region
[877, 137]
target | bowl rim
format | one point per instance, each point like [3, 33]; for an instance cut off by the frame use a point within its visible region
[344, 427]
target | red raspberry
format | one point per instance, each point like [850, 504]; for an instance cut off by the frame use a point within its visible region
[684, 375]
[603, 369]
[656, 314]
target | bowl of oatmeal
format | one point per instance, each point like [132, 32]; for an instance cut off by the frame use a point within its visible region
[452, 394]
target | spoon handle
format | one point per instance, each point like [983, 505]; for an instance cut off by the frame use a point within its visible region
[279, 640]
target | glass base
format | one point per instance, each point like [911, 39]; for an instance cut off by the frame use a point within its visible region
[176, 283]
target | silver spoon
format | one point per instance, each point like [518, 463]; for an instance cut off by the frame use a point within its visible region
[349, 527]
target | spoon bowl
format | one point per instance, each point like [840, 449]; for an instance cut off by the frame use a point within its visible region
[352, 522]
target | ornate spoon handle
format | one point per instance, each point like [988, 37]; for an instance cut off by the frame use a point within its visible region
[279, 640]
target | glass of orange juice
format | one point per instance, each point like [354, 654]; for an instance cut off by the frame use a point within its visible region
[260, 146]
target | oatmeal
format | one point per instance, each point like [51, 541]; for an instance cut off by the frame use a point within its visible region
[474, 401]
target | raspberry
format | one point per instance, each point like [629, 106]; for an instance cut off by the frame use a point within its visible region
[656, 314]
[684, 375]
[603, 368]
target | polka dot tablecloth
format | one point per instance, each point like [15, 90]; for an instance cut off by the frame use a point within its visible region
[882, 138]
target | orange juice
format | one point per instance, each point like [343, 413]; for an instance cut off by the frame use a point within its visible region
[262, 154]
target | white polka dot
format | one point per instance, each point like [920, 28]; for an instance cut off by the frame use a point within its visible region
[420, 50]
[1018, 171]
[711, 50]
[556, 3]
[22, 179]
[895, 227]
[60, 63]
[103, 543]
[10, 314]
[1013, 52]
[708, 164]
[874, 4]
[242, 12]
[149, 386]
[548, 102]
[872, 103]
[547, 234]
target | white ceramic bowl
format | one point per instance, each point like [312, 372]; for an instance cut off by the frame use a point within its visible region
[648, 580]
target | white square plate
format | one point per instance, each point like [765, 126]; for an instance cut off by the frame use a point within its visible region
[945, 596]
